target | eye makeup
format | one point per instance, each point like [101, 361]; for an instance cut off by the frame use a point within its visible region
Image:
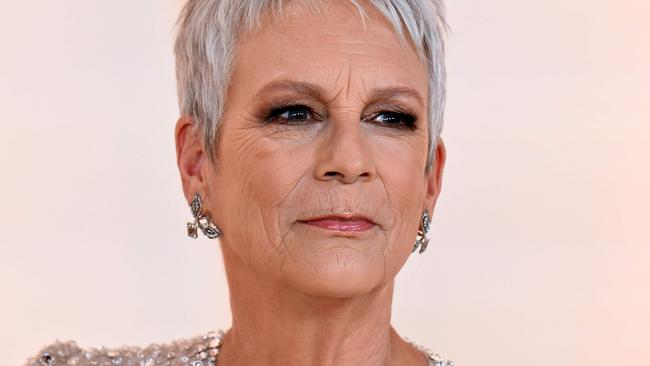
[291, 114]
[300, 114]
[289, 109]
[395, 118]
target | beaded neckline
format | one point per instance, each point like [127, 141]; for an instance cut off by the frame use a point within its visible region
[215, 339]
[201, 350]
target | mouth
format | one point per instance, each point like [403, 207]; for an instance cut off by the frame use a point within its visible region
[341, 223]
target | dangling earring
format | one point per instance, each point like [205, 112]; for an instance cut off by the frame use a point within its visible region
[201, 221]
[421, 238]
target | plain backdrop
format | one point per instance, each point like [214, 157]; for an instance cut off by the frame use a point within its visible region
[540, 247]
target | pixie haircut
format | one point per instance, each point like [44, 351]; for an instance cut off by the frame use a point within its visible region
[208, 31]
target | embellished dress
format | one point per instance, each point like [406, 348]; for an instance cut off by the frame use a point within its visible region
[200, 350]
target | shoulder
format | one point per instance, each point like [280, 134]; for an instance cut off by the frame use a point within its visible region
[199, 350]
[433, 359]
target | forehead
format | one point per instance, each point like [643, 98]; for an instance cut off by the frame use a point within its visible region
[331, 49]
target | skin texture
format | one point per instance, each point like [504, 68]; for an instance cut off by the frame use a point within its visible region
[302, 295]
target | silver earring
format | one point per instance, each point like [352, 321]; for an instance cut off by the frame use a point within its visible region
[201, 221]
[421, 238]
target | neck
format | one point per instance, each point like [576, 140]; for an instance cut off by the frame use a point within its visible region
[274, 324]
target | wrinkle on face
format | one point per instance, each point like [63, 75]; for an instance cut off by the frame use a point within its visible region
[281, 226]
[273, 168]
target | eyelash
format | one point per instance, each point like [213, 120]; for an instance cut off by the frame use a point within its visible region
[407, 120]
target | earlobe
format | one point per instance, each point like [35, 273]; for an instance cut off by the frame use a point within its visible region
[189, 155]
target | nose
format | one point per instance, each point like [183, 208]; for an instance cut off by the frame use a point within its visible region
[344, 154]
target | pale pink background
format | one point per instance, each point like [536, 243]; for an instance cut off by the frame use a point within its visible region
[540, 248]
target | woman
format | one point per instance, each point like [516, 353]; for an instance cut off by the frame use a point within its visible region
[308, 143]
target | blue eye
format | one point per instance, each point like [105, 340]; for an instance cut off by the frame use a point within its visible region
[395, 119]
[299, 114]
[293, 114]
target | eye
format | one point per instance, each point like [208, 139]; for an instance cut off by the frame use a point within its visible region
[293, 114]
[395, 119]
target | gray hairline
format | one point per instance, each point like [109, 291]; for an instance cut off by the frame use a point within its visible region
[205, 54]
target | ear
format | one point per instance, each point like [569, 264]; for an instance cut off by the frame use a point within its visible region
[434, 178]
[190, 156]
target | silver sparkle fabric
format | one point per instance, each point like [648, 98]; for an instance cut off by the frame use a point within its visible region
[199, 350]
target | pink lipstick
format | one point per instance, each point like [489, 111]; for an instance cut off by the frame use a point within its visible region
[338, 223]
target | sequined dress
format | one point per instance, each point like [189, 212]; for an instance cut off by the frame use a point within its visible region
[200, 350]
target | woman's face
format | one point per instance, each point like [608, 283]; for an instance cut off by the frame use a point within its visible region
[322, 118]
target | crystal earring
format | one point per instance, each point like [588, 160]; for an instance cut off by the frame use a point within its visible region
[421, 238]
[201, 221]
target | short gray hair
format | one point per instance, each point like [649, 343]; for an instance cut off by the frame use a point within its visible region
[205, 49]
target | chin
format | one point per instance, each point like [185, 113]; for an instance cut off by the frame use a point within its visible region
[338, 272]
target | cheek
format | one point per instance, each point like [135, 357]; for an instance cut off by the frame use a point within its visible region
[277, 179]
[401, 162]
[400, 168]
[267, 172]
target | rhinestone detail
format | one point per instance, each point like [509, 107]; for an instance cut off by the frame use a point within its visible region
[46, 359]
[433, 358]
[201, 350]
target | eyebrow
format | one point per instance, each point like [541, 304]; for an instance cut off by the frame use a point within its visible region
[315, 91]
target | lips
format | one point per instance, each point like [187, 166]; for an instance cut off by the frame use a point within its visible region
[341, 223]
